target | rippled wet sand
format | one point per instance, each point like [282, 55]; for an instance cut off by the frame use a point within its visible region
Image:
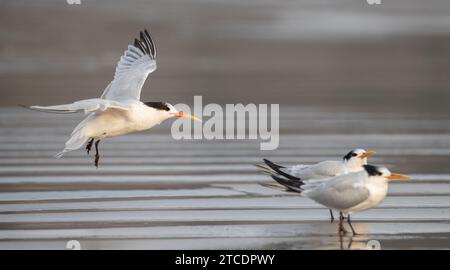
[156, 193]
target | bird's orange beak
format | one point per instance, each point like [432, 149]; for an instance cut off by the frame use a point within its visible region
[184, 115]
[368, 154]
[396, 176]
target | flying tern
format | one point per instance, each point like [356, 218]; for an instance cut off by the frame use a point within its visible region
[353, 161]
[119, 110]
[347, 193]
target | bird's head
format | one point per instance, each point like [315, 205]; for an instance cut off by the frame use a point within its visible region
[356, 158]
[175, 113]
[383, 173]
[167, 111]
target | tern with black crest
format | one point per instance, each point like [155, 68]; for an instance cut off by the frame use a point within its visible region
[119, 110]
[347, 193]
[353, 161]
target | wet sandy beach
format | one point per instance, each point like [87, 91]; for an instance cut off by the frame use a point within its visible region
[155, 193]
[345, 76]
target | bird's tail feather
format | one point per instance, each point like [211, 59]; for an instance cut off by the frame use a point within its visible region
[76, 141]
[60, 154]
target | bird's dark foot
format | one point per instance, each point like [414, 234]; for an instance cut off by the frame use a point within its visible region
[351, 226]
[331, 216]
[342, 231]
[353, 231]
[97, 158]
[89, 146]
[350, 243]
[97, 154]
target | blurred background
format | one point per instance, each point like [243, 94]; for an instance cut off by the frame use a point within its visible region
[327, 53]
[346, 75]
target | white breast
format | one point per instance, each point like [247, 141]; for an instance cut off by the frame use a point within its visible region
[114, 122]
[142, 117]
[378, 191]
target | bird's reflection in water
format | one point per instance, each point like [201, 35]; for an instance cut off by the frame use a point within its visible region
[359, 241]
[321, 235]
[336, 240]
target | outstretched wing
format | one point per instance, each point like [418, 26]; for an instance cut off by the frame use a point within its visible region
[86, 106]
[137, 62]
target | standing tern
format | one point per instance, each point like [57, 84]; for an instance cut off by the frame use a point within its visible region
[347, 193]
[119, 110]
[353, 161]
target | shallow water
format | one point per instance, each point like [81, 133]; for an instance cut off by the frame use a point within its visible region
[154, 192]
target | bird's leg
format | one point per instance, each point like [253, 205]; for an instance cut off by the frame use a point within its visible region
[350, 223]
[341, 224]
[331, 216]
[89, 146]
[97, 153]
[350, 243]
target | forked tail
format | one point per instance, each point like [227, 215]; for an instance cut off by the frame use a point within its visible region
[78, 137]
[76, 141]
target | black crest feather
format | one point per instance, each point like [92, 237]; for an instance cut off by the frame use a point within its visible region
[372, 170]
[349, 155]
[162, 106]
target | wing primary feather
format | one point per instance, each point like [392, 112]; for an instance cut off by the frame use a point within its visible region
[47, 110]
[138, 44]
[263, 169]
[277, 168]
[277, 187]
[145, 43]
[272, 164]
[152, 43]
[290, 184]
